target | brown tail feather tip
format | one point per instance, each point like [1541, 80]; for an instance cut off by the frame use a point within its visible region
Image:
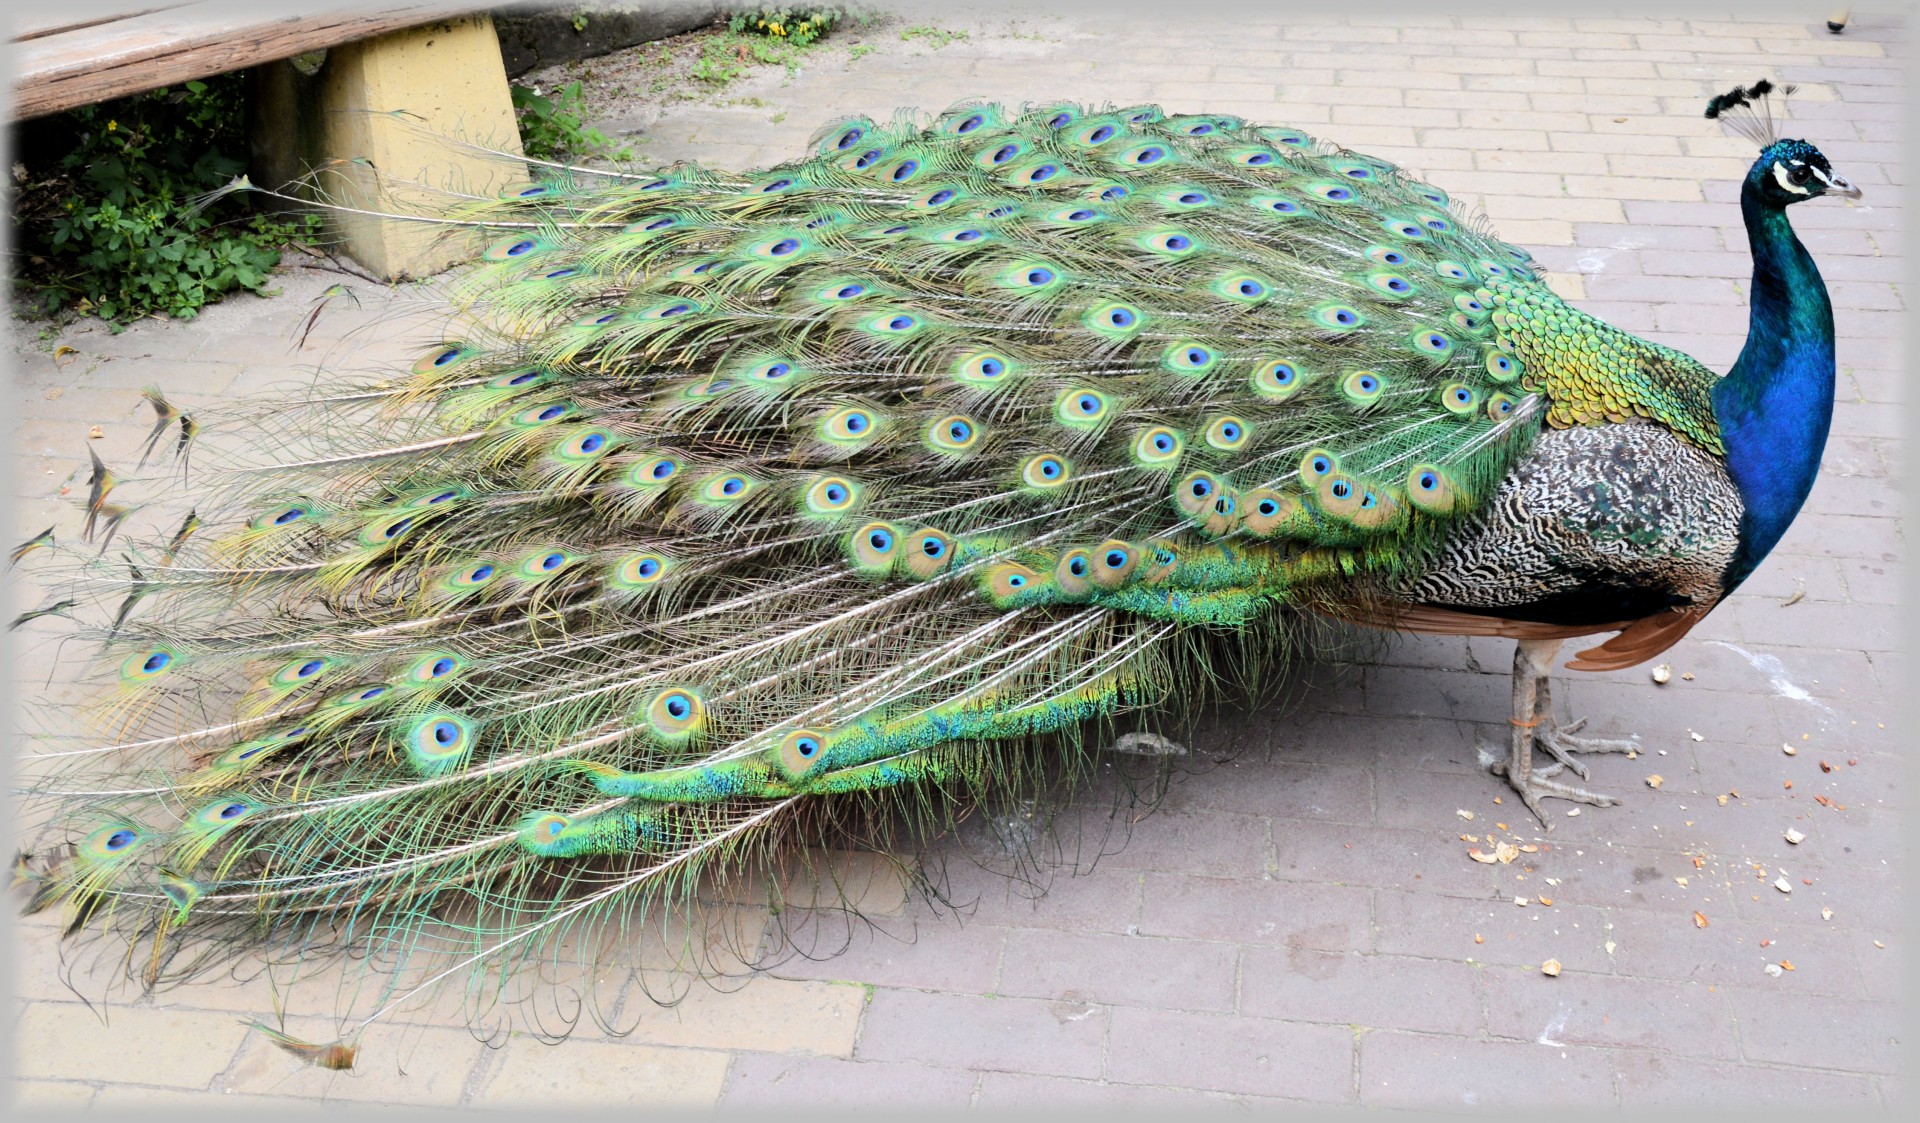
[1639, 641]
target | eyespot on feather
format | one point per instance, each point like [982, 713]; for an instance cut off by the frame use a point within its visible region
[800, 753]
[1434, 490]
[1277, 380]
[874, 548]
[1158, 447]
[1227, 434]
[676, 714]
[929, 552]
[1045, 471]
[1114, 562]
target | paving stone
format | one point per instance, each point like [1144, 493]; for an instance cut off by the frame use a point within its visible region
[1438, 1071]
[1375, 991]
[1257, 912]
[1058, 1038]
[761, 1081]
[1854, 1036]
[1159, 973]
[1686, 1019]
[758, 1013]
[1232, 1054]
[1019, 1090]
[397, 1064]
[1433, 926]
[168, 1048]
[582, 1073]
[1647, 1079]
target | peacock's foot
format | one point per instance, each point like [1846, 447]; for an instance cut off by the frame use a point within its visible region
[1536, 784]
[1146, 744]
[1560, 744]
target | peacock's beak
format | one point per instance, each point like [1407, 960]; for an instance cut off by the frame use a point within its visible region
[1839, 186]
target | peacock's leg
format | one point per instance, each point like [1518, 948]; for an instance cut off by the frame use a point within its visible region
[1559, 741]
[1532, 661]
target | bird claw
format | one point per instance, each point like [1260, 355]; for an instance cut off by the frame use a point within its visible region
[1538, 784]
[1146, 744]
[1560, 744]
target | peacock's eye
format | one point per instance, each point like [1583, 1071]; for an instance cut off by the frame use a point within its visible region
[1799, 174]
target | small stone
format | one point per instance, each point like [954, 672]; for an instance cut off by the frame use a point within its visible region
[1653, 781]
[1464, 813]
[1663, 674]
[1826, 914]
[1783, 885]
[1686, 676]
[95, 433]
[1788, 749]
[1551, 968]
[1794, 836]
[1775, 970]
[1573, 812]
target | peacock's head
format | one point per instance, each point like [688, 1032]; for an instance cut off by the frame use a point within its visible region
[1793, 171]
[1788, 171]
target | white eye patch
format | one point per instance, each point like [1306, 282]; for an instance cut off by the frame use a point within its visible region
[1780, 177]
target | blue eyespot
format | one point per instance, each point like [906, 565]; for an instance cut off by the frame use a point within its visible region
[1268, 507]
[1322, 465]
[120, 840]
[251, 753]
[1079, 216]
[1359, 173]
[593, 442]
[523, 379]
[441, 668]
[1395, 284]
[1428, 481]
[967, 236]
[1260, 159]
[659, 224]
[1341, 489]
[971, 124]
[656, 185]
[1004, 153]
[938, 197]
[1367, 383]
[835, 495]
[647, 567]
[551, 412]
[1394, 257]
[1230, 431]
[607, 319]
[905, 170]
[1043, 173]
[1017, 581]
[1345, 317]
[881, 541]
[1120, 318]
[1179, 242]
[959, 431]
[1438, 224]
[777, 185]
[514, 250]
[1462, 395]
[480, 573]
[1077, 567]
[551, 562]
[1251, 288]
[1202, 488]
[1285, 207]
[849, 138]
[1339, 194]
[806, 746]
[1199, 130]
[704, 266]
[233, 810]
[558, 274]
[1503, 364]
[1060, 120]
[675, 310]
[309, 668]
[678, 707]
[399, 528]
[1197, 356]
[1116, 559]
[1114, 192]
[1050, 468]
[665, 468]
[900, 323]
[856, 423]
[445, 732]
[1150, 155]
[846, 292]
[1101, 134]
[783, 247]
[781, 370]
[734, 485]
[1162, 443]
[1283, 374]
[866, 159]
[1038, 277]
[371, 693]
[1439, 342]
[895, 230]
[932, 547]
[157, 661]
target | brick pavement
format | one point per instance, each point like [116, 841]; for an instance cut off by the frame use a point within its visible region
[1300, 920]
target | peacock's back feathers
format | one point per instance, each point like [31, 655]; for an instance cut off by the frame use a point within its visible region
[736, 491]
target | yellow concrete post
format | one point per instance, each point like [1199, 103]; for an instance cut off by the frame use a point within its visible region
[387, 108]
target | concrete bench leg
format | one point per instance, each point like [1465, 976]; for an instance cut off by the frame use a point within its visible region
[365, 130]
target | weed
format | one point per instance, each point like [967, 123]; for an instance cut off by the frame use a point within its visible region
[552, 126]
[936, 37]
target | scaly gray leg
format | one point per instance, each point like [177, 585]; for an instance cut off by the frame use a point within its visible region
[1532, 723]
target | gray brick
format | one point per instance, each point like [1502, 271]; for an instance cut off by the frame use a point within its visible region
[1016, 1090]
[760, 1080]
[1159, 973]
[1058, 1038]
[1435, 1071]
[1854, 1036]
[1289, 913]
[1425, 924]
[1649, 1079]
[1232, 1054]
[1686, 1019]
[926, 952]
[1375, 991]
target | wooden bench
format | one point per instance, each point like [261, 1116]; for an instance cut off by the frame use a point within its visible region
[438, 62]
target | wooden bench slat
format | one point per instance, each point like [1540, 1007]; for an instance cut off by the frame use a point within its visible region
[33, 27]
[161, 48]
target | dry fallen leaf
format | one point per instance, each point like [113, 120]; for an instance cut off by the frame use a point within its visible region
[1721, 800]
[1547, 901]
[1478, 938]
[1656, 780]
[1786, 965]
[1663, 673]
[1478, 856]
[1699, 863]
[1497, 799]
[1501, 826]
[54, 393]
[1794, 836]
[1681, 882]
[1505, 852]
[1699, 919]
[1686, 676]
[1551, 968]
[1464, 814]
[1529, 848]
[1469, 838]
[1610, 945]
[1766, 943]
[94, 433]
[1825, 767]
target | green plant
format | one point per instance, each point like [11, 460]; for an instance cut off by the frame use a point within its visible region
[936, 37]
[797, 24]
[861, 51]
[106, 214]
[553, 126]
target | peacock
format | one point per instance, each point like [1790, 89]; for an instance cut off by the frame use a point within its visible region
[741, 505]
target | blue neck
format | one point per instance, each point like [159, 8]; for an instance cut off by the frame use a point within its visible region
[1776, 403]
